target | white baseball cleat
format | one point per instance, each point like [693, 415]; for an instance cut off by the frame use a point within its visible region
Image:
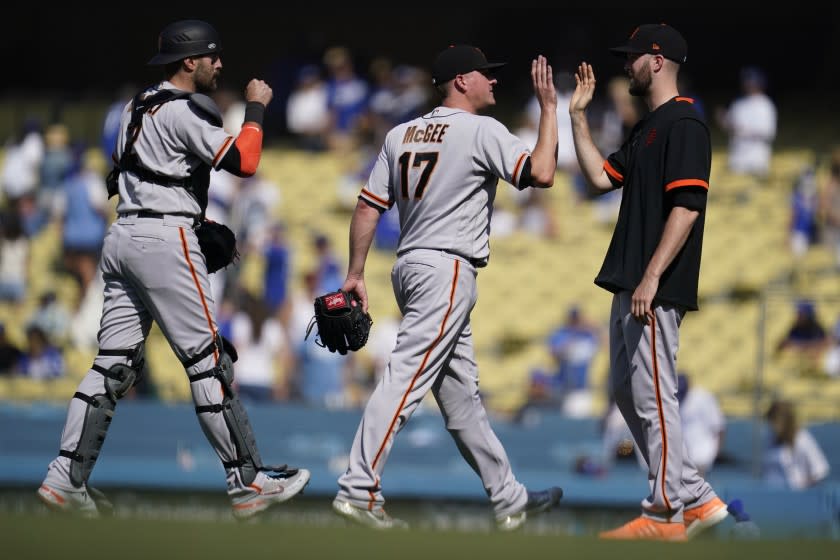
[375, 519]
[86, 501]
[275, 489]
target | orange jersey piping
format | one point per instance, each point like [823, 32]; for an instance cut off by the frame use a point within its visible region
[612, 172]
[222, 151]
[518, 168]
[370, 197]
[186, 248]
[687, 183]
[661, 412]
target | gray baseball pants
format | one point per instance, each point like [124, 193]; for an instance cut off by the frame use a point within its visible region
[436, 292]
[643, 381]
[153, 271]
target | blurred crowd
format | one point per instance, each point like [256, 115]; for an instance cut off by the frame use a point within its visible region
[51, 183]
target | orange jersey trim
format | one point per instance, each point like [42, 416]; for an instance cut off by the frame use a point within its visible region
[218, 157]
[375, 199]
[687, 183]
[517, 168]
[612, 172]
[249, 144]
[186, 248]
[684, 99]
[419, 371]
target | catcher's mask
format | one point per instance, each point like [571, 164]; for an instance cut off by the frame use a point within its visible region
[185, 38]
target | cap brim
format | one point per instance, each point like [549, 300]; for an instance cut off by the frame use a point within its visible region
[625, 49]
[491, 66]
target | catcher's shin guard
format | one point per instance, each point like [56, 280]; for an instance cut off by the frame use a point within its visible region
[248, 459]
[119, 378]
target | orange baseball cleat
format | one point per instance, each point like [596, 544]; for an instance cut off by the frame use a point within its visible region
[644, 528]
[702, 517]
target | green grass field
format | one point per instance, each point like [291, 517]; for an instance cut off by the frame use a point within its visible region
[41, 536]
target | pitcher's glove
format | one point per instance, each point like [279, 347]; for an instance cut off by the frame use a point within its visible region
[342, 324]
[218, 244]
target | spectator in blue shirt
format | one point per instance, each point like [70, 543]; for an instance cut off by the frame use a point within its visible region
[277, 267]
[806, 338]
[565, 386]
[42, 359]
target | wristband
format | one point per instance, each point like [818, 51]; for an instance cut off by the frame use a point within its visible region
[254, 112]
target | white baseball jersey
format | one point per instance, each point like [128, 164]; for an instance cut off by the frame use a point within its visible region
[174, 140]
[753, 120]
[703, 423]
[441, 170]
[448, 164]
[795, 466]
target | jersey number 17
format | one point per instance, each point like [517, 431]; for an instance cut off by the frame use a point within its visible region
[426, 160]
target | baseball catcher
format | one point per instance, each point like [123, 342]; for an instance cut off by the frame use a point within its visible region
[342, 324]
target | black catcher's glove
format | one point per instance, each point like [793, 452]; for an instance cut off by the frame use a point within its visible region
[218, 244]
[342, 324]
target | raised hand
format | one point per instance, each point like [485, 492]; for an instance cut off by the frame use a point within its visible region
[259, 91]
[542, 78]
[584, 88]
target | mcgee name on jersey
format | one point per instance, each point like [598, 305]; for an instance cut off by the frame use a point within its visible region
[431, 133]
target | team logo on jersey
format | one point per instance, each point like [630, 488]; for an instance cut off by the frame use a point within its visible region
[651, 136]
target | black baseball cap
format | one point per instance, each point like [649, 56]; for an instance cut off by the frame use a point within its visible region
[655, 38]
[459, 59]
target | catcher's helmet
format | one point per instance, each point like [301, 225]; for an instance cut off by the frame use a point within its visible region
[188, 37]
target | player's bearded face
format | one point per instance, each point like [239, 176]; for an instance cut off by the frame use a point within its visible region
[640, 76]
[206, 73]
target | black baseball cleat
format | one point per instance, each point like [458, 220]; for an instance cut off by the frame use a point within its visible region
[538, 502]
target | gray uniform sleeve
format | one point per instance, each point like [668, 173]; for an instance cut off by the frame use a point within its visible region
[174, 141]
[500, 152]
[379, 191]
[201, 137]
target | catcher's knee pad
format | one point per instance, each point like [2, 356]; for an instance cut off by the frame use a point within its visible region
[247, 459]
[119, 378]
